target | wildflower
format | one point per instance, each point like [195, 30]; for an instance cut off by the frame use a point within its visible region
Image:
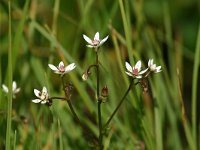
[43, 96]
[153, 67]
[96, 42]
[135, 71]
[14, 88]
[61, 68]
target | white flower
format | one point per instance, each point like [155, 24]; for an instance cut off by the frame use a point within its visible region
[43, 96]
[61, 68]
[153, 67]
[96, 42]
[135, 71]
[14, 88]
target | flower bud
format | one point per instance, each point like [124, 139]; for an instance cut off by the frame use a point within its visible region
[104, 93]
[86, 75]
[68, 90]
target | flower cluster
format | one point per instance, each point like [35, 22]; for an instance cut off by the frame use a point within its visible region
[136, 72]
[43, 96]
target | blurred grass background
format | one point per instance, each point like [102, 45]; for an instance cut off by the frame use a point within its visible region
[48, 31]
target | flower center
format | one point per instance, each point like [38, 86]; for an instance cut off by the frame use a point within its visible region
[135, 72]
[61, 68]
[95, 42]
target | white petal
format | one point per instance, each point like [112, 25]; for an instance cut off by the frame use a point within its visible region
[5, 88]
[36, 100]
[14, 85]
[129, 74]
[54, 68]
[143, 71]
[96, 37]
[43, 102]
[17, 90]
[90, 46]
[158, 69]
[87, 39]
[58, 72]
[138, 65]
[61, 64]
[138, 77]
[44, 90]
[149, 62]
[103, 41]
[37, 93]
[153, 67]
[70, 67]
[128, 67]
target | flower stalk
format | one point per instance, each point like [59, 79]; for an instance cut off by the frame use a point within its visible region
[120, 103]
[99, 101]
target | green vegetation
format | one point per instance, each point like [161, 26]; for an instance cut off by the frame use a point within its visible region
[161, 113]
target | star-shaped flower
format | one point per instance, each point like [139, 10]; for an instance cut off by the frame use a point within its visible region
[61, 68]
[14, 88]
[135, 71]
[96, 42]
[153, 67]
[43, 96]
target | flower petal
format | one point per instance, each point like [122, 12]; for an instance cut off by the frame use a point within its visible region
[103, 41]
[44, 90]
[96, 37]
[52, 67]
[16, 90]
[43, 102]
[150, 62]
[5, 88]
[138, 65]
[138, 77]
[129, 74]
[14, 85]
[143, 71]
[158, 69]
[90, 46]
[36, 100]
[70, 67]
[61, 64]
[37, 93]
[128, 67]
[87, 39]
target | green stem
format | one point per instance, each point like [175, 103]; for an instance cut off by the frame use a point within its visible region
[72, 111]
[99, 103]
[120, 103]
[61, 98]
[9, 109]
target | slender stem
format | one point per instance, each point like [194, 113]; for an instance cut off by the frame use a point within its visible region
[99, 103]
[62, 98]
[120, 103]
[72, 111]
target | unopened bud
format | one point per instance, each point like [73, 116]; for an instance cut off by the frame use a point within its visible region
[86, 75]
[104, 93]
[68, 90]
